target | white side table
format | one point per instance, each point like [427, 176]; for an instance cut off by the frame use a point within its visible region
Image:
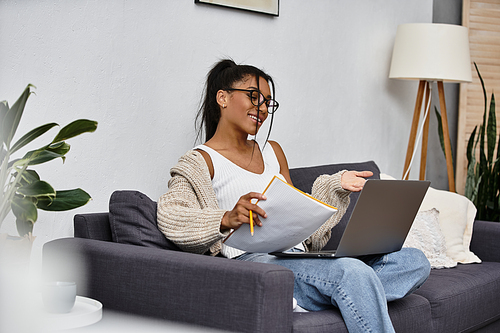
[86, 312]
[120, 322]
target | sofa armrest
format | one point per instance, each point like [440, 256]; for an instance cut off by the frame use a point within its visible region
[178, 286]
[485, 241]
[92, 225]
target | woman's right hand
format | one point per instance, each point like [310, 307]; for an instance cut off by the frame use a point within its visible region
[241, 212]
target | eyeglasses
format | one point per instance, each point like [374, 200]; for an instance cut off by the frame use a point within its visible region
[258, 99]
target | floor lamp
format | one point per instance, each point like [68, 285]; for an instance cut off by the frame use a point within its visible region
[430, 52]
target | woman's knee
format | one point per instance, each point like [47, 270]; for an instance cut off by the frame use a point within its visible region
[420, 267]
[354, 269]
[419, 260]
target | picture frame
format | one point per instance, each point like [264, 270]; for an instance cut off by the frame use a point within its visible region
[269, 7]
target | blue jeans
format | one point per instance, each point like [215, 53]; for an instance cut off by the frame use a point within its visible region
[359, 287]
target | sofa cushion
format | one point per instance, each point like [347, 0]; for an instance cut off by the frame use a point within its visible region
[303, 179]
[132, 216]
[409, 314]
[456, 218]
[425, 234]
[463, 298]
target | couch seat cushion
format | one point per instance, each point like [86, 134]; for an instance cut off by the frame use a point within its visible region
[410, 314]
[463, 298]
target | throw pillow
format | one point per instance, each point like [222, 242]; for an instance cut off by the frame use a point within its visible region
[425, 234]
[456, 220]
[132, 216]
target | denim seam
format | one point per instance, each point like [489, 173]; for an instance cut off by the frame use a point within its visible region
[384, 260]
[354, 311]
[343, 295]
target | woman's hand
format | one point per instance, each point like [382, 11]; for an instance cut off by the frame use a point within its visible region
[241, 212]
[355, 180]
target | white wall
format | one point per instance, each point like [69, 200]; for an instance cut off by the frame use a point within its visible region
[138, 68]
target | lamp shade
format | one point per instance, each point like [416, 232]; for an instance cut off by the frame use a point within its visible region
[433, 52]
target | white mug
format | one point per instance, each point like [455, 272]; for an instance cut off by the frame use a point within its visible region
[59, 297]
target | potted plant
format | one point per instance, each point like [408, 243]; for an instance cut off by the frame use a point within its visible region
[482, 185]
[23, 192]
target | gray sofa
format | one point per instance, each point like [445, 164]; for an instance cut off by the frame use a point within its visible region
[127, 264]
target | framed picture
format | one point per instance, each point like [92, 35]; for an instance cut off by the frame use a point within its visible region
[270, 7]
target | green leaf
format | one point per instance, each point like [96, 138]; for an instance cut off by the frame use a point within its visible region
[13, 117]
[31, 175]
[470, 182]
[491, 131]
[470, 146]
[3, 153]
[37, 188]
[39, 156]
[61, 148]
[484, 91]
[24, 227]
[475, 193]
[28, 177]
[75, 128]
[44, 154]
[474, 173]
[440, 130]
[482, 129]
[30, 136]
[4, 108]
[24, 209]
[483, 162]
[495, 183]
[65, 200]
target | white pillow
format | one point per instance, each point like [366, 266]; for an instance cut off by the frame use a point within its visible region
[456, 219]
[425, 234]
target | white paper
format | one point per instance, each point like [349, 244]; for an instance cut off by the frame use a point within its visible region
[292, 216]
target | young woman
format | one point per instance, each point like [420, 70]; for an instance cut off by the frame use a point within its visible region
[212, 186]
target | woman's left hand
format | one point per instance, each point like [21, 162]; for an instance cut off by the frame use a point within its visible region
[355, 180]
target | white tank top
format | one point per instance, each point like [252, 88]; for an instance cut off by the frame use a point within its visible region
[230, 181]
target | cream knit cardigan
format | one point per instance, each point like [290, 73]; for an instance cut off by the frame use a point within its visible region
[188, 214]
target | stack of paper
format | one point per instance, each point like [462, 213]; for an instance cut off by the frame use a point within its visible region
[292, 216]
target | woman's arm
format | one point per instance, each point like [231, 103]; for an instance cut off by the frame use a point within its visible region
[280, 155]
[334, 190]
[181, 218]
[188, 214]
[328, 188]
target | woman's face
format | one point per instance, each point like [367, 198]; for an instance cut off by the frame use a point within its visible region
[241, 111]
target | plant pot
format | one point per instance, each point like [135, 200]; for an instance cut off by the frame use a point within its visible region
[15, 251]
[17, 286]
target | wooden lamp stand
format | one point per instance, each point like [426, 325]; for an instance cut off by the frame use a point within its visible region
[424, 89]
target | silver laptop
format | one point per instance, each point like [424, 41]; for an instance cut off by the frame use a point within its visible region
[380, 221]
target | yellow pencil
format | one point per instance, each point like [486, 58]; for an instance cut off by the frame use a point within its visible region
[251, 223]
